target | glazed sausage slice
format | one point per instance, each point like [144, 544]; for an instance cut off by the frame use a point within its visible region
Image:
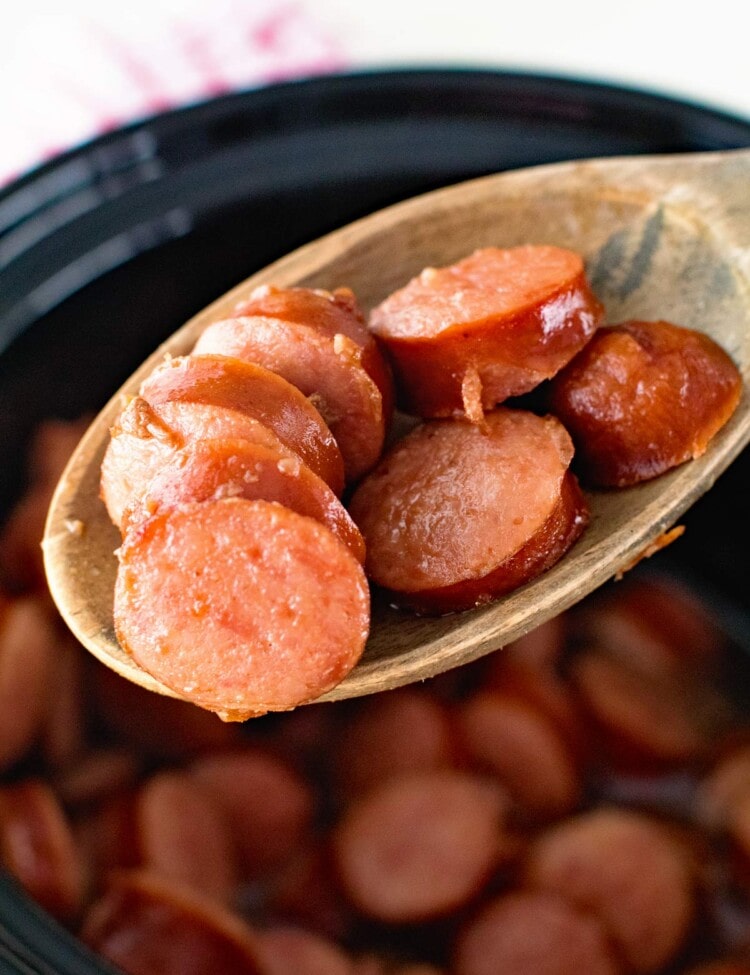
[145, 925]
[182, 835]
[38, 849]
[225, 381]
[327, 369]
[145, 438]
[206, 470]
[28, 660]
[393, 733]
[421, 845]
[640, 721]
[330, 313]
[466, 337]
[524, 933]
[240, 606]
[269, 807]
[457, 514]
[624, 869]
[643, 397]
[518, 745]
[288, 950]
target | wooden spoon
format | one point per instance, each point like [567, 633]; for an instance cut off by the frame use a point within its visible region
[664, 237]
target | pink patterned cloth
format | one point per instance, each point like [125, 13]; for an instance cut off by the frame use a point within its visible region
[72, 76]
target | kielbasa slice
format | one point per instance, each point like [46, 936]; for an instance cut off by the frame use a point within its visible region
[145, 438]
[656, 626]
[269, 806]
[420, 845]
[725, 787]
[289, 950]
[38, 849]
[28, 659]
[641, 721]
[456, 514]
[327, 369]
[240, 606]
[306, 891]
[406, 730]
[63, 737]
[206, 470]
[523, 933]
[258, 392]
[145, 924]
[464, 338]
[642, 398]
[627, 871]
[182, 835]
[508, 738]
[330, 313]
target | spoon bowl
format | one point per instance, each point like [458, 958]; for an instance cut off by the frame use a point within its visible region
[663, 237]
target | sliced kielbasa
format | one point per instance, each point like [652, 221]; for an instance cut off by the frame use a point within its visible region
[420, 845]
[240, 606]
[145, 438]
[466, 337]
[289, 950]
[146, 924]
[224, 381]
[457, 514]
[38, 849]
[406, 730]
[28, 660]
[643, 397]
[268, 805]
[329, 370]
[182, 835]
[526, 933]
[640, 719]
[330, 313]
[206, 470]
[516, 743]
[626, 870]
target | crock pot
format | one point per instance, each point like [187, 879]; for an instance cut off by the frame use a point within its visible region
[109, 248]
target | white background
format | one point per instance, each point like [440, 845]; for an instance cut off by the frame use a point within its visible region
[61, 80]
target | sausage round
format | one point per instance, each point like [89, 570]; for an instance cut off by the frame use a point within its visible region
[288, 950]
[268, 806]
[466, 337]
[420, 845]
[533, 934]
[38, 849]
[145, 924]
[144, 438]
[406, 730]
[28, 660]
[240, 606]
[258, 392]
[639, 719]
[182, 835]
[623, 868]
[330, 313]
[206, 470]
[328, 370]
[643, 397]
[456, 514]
[523, 749]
